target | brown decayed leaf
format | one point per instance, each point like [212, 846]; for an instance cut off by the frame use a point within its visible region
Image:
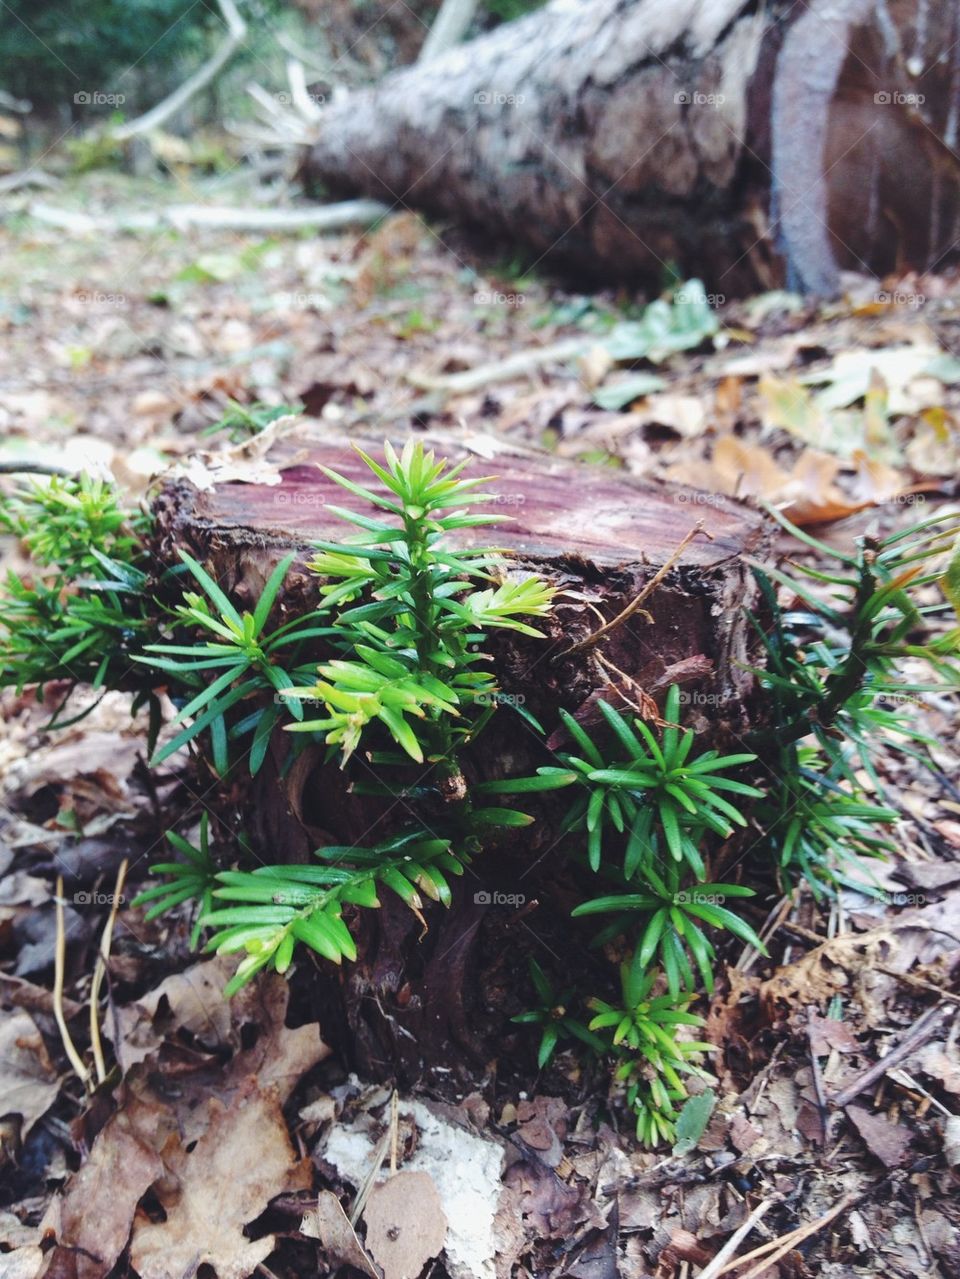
[888, 1141]
[406, 1225]
[280, 1055]
[192, 1001]
[98, 1207]
[242, 1161]
[939, 1062]
[542, 1125]
[807, 494]
[828, 1034]
[330, 1224]
[826, 969]
[28, 1081]
[242, 1157]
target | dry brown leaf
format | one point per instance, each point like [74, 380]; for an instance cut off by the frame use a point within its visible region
[28, 1081]
[406, 1225]
[245, 463]
[887, 1141]
[242, 1161]
[685, 414]
[542, 1126]
[280, 1056]
[192, 1000]
[823, 971]
[940, 1062]
[876, 481]
[828, 1034]
[807, 494]
[18, 888]
[330, 1224]
[98, 1208]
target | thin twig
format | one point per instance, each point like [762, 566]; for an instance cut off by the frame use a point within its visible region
[807, 934]
[99, 972]
[59, 964]
[775, 1249]
[638, 600]
[733, 1243]
[918, 983]
[774, 920]
[818, 1079]
[394, 1130]
[363, 1193]
[33, 468]
[906, 1080]
[449, 27]
[918, 1035]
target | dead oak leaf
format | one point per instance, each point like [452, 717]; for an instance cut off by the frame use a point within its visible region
[97, 1210]
[191, 1001]
[826, 969]
[406, 1224]
[242, 1161]
[281, 1055]
[542, 1125]
[828, 1034]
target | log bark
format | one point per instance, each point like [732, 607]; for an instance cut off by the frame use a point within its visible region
[751, 145]
[416, 1006]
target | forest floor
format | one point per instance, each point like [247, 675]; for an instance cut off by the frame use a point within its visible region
[120, 353]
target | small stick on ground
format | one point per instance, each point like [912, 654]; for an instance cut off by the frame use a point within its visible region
[921, 1031]
[822, 1107]
[99, 972]
[749, 955]
[730, 1247]
[59, 964]
[918, 983]
[394, 1130]
[33, 468]
[636, 603]
[363, 1194]
[776, 1249]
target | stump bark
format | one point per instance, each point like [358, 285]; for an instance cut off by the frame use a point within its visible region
[439, 1004]
[751, 145]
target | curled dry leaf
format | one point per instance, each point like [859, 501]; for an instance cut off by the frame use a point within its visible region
[330, 1224]
[244, 463]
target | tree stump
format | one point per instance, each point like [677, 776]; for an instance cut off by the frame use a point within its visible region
[439, 1004]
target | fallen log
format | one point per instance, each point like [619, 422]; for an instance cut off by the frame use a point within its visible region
[749, 145]
[416, 1005]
